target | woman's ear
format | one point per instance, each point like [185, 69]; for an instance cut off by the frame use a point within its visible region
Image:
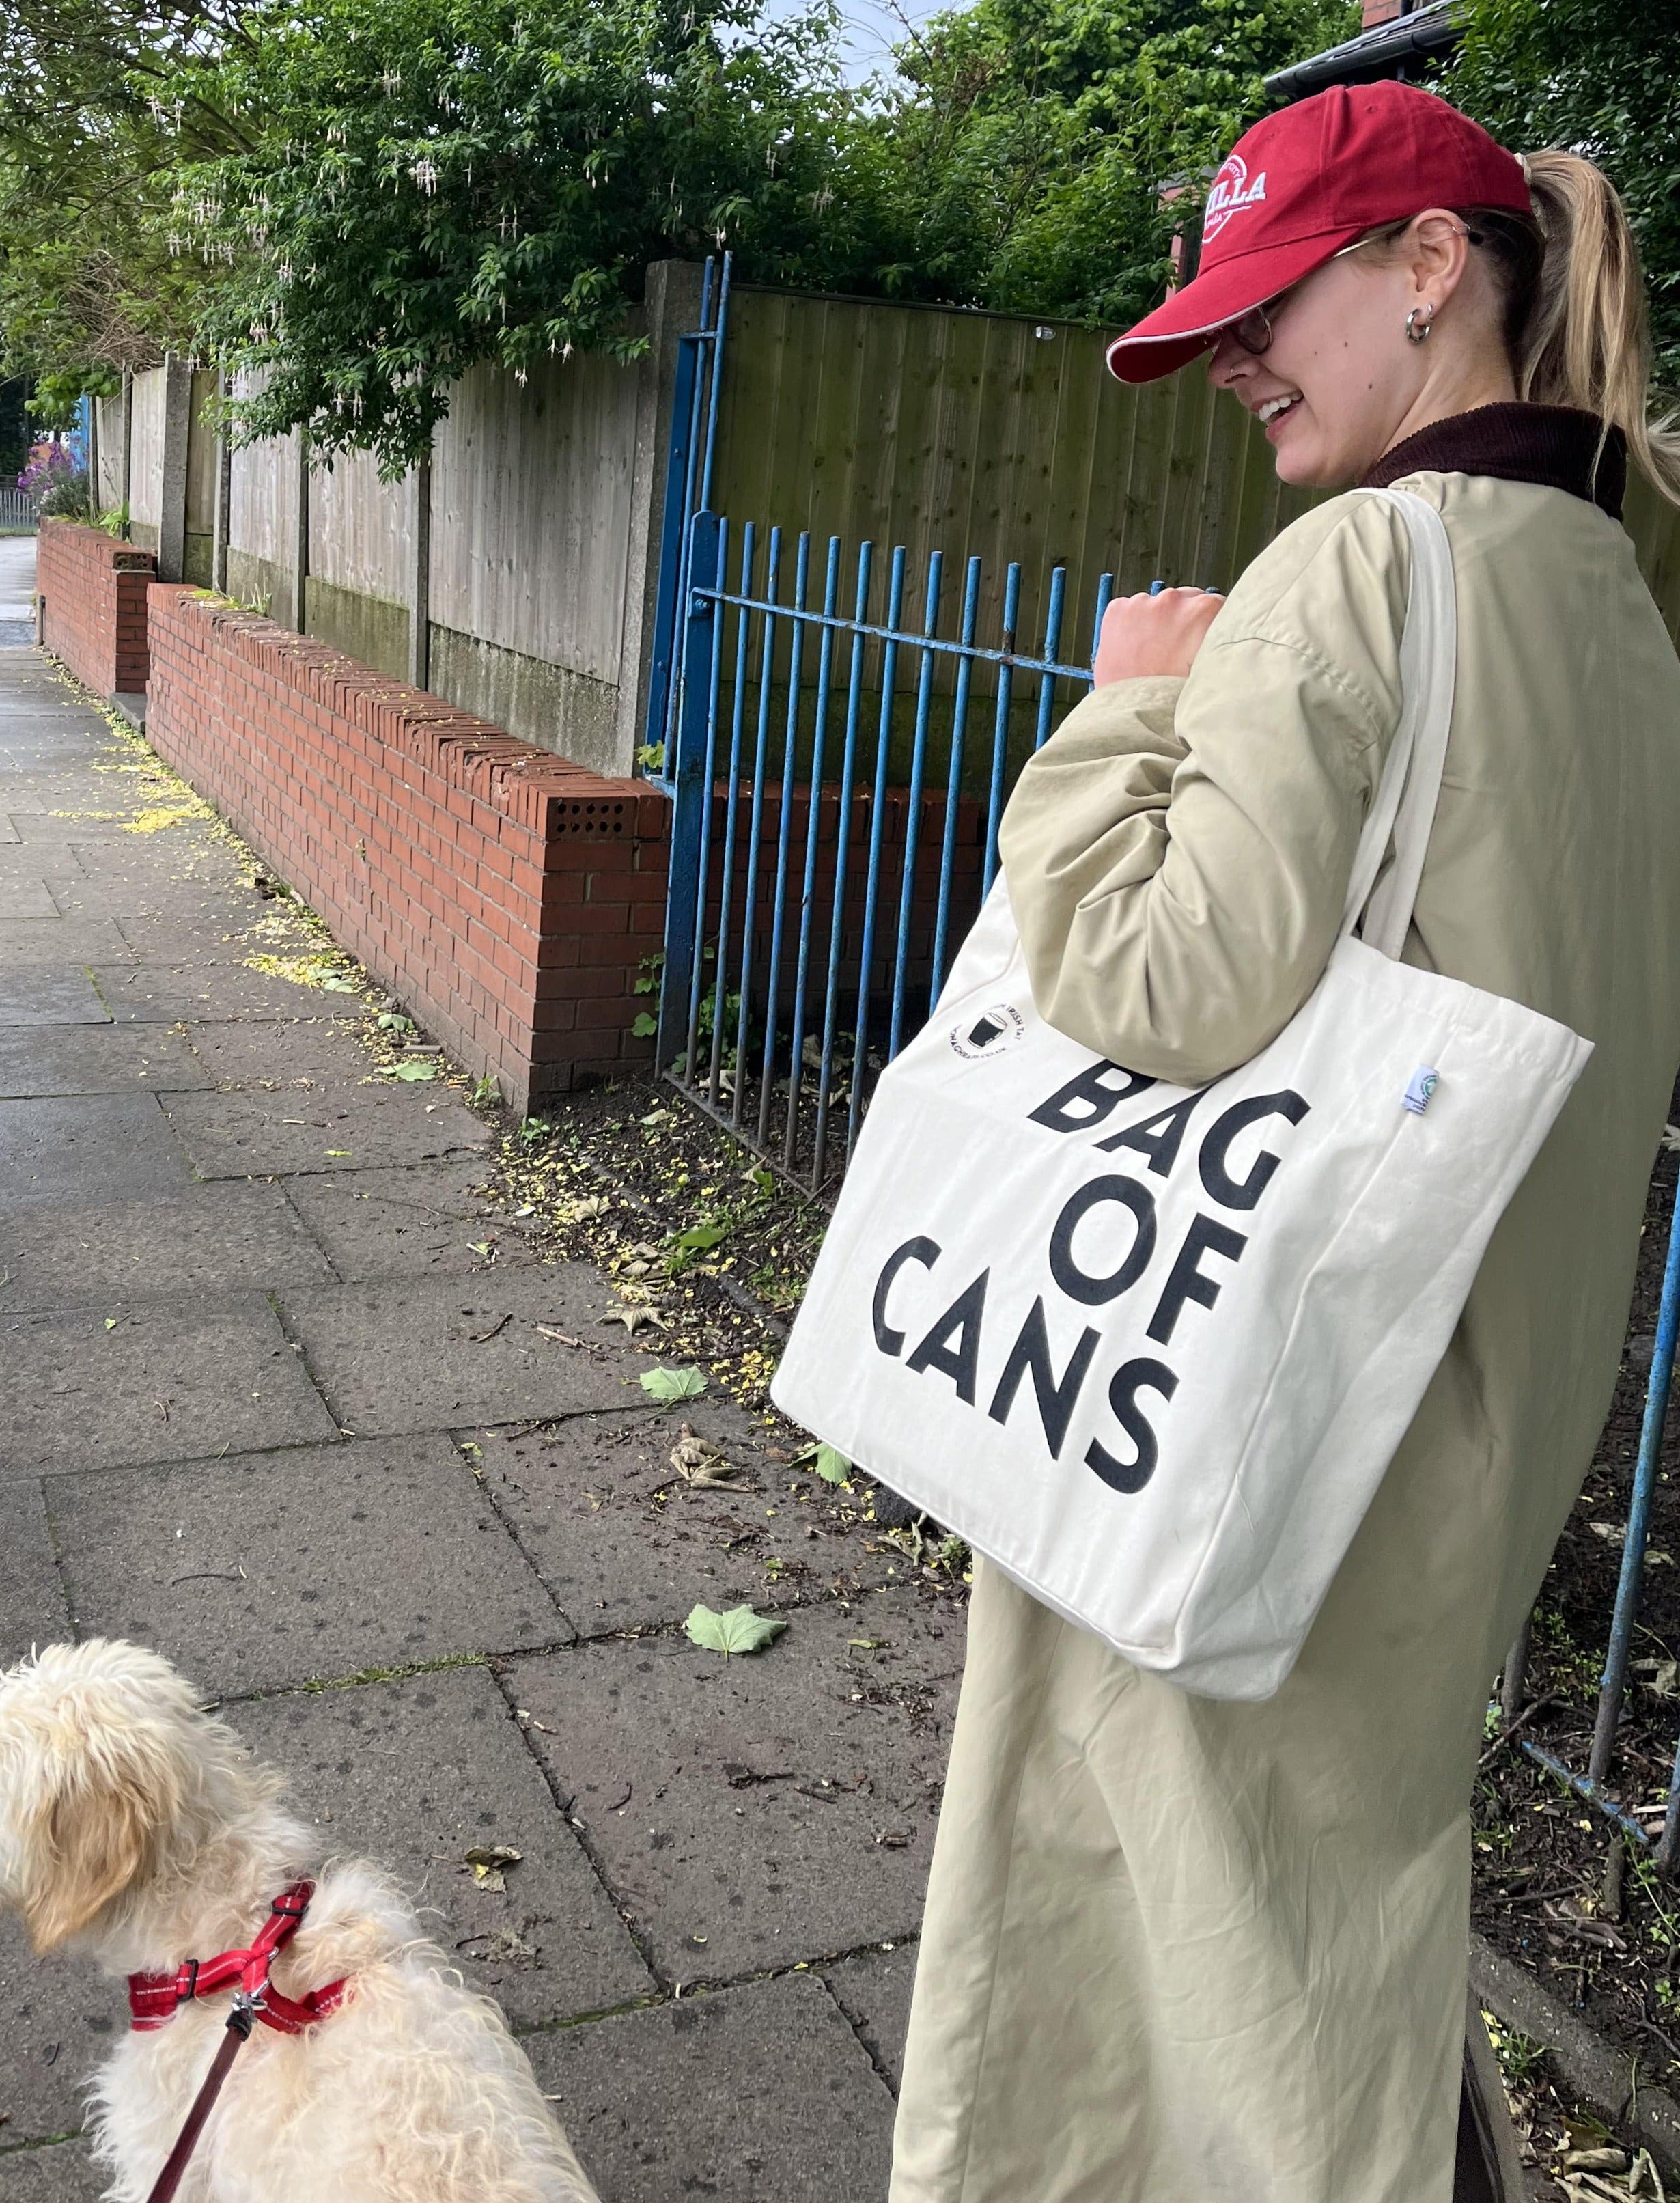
[97, 1829]
[1436, 253]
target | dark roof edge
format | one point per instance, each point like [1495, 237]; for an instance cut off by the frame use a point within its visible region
[1427, 30]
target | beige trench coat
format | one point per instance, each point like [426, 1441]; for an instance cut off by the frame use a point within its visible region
[1178, 1951]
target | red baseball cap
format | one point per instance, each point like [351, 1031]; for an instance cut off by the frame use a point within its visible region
[1303, 183]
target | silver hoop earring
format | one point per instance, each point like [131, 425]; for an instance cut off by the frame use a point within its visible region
[1419, 332]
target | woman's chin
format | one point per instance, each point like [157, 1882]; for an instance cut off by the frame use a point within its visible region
[1304, 466]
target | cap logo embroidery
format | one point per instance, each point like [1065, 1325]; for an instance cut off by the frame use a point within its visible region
[1232, 191]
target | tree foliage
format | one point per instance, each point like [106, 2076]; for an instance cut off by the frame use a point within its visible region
[1600, 77]
[1021, 157]
[427, 184]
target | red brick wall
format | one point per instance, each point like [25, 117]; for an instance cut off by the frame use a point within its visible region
[503, 896]
[93, 611]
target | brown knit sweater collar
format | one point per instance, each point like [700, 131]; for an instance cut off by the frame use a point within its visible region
[1552, 445]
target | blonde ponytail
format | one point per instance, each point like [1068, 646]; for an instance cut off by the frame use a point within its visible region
[1585, 337]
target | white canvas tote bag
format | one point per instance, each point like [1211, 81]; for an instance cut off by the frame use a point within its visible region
[1151, 1349]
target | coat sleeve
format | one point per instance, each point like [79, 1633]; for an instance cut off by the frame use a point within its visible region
[1178, 853]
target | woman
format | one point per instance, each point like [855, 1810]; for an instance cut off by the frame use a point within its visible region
[1180, 1951]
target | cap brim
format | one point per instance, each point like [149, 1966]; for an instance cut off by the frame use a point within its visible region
[1190, 319]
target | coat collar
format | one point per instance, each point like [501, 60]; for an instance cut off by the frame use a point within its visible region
[1554, 446]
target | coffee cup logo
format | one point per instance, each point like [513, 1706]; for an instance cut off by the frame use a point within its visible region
[991, 1031]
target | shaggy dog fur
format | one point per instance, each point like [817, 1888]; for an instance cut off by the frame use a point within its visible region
[136, 1829]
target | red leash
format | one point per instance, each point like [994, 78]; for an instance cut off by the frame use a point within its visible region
[154, 1998]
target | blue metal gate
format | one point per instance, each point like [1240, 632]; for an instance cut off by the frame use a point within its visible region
[838, 772]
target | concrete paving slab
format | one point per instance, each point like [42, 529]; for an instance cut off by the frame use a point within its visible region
[97, 1060]
[60, 2018]
[290, 1567]
[35, 823]
[66, 793]
[151, 864]
[182, 940]
[59, 997]
[32, 1611]
[22, 862]
[447, 1353]
[278, 1053]
[228, 1237]
[623, 1542]
[150, 892]
[172, 994]
[32, 742]
[414, 1775]
[9, 833]
[408, 1223]
[761, 2095]
[248, 1132]
[752, 1813]
[62, 2174]
[24, 895]
[79, 1151]
[872, 1989]
[166, 1382]
[25, 942]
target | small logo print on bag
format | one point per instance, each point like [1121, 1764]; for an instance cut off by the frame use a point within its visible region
[994, 1032]
[1423, 1085]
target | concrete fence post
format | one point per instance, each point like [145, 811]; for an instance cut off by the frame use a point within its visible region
[125, 479]
[221, 522]
[300, 545]
[673, 308]
[172, 503]
[420, 575]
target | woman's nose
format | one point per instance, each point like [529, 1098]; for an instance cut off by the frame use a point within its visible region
[1230, 363]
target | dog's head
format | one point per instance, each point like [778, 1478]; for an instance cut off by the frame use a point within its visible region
[105, 1760]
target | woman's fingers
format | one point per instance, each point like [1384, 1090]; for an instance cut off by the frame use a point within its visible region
[1155, 634]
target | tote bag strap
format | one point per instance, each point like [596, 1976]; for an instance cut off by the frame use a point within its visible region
[1410, 787]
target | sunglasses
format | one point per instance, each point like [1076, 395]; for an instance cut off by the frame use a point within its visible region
[1253, 330]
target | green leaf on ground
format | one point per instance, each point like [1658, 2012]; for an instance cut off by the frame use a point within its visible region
[414, 1074]
[829, 1462]
[674, 1384]
[701, 1235]
[740, 1630]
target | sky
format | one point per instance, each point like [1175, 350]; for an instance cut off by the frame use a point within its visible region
[874, 27]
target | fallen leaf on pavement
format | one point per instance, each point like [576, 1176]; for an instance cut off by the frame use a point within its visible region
[489, 1862]
[699, 1463]
[740, 1630]
[674, 1384]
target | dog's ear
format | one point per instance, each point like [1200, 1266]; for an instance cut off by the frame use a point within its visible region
[99, 1828]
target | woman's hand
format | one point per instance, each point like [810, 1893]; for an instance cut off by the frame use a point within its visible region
[1153, 634]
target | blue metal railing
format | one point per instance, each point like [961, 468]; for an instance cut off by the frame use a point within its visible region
[776, 1013]
[1596, 1786]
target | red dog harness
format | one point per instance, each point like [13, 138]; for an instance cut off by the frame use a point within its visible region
[154, 1998]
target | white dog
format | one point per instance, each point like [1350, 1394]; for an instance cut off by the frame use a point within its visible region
[135, 1827]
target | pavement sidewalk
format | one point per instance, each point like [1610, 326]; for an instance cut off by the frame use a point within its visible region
[271, 1406]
